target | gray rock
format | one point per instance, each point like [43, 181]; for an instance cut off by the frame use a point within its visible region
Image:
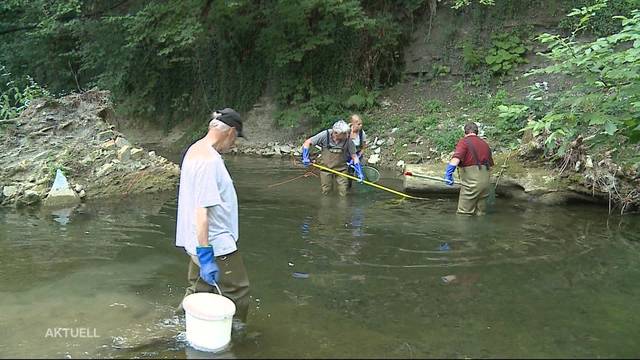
[30, 197]
[120, 142]
[43, 179]
[414, 157]
[105, 135]
[124, 154]
[104, 170]
[373, 159]
[9, 191]
[109, 144]
[137, 153]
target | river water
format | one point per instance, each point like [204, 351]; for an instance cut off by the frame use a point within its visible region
[102, 280]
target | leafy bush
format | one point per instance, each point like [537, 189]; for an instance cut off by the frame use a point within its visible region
[481, 79]
[169, 60]
[457, 4]
[472, 56]
[432, 106]
[600, 23]
[511, 118]
[363, 100]
[423, 124]
[440, 70]
[606, 99]
[321, 112]
[15, 96]
[445, 140]
[506, 53]
[556, 127]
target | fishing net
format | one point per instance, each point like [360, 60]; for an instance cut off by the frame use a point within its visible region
[370, 173]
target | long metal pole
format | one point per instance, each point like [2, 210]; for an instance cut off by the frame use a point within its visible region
[366, 182]
[409, 173]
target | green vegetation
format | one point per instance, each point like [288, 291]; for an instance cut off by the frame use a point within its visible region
[322, 59]
[506, 52]
[166, 61]
[600, 23]
[15, 95]
[511, 117]
[604, 103]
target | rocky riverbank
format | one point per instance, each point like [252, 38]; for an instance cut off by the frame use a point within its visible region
[520, 174]
[66, 150]
[72, 137]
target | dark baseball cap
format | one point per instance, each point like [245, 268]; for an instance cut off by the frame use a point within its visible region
[231, 118]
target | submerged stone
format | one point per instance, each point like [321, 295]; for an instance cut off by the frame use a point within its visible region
[300, 275]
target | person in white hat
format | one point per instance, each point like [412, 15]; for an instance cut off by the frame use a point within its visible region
[337, 150]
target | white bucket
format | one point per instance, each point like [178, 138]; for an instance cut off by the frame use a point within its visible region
[208, 320]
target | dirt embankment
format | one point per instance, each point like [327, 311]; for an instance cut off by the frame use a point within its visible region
[72, 134]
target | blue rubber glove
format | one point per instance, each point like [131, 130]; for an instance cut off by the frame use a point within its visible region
[358, 168]
[448, 174]
[305, 157]
[209, 271]
[350, 163]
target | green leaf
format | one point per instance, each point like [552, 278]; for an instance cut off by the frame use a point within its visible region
[597, 119]
[610, 128]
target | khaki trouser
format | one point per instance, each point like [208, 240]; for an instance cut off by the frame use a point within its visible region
[233, 282]
[335, 161]
[474, 190]
[326, 183]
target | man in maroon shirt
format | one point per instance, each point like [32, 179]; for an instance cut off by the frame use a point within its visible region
[473, 156]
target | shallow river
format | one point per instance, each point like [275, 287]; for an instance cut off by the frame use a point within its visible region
[530, 281]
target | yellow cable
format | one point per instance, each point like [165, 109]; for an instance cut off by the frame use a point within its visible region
[366, 182]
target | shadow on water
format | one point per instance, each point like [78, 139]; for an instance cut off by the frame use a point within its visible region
[371, 275]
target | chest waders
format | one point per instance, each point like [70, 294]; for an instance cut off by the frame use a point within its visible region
[334, 158]
[475, 190]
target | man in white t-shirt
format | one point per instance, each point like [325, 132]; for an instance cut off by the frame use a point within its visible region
[207, 225]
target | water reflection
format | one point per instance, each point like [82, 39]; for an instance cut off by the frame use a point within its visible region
[525, 280]
[63, 216]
